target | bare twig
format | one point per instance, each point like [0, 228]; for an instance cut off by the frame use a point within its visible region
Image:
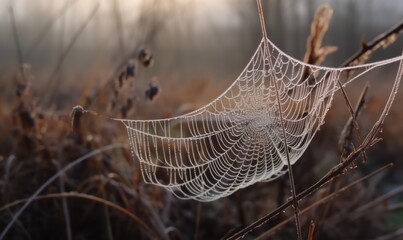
[16, 38]
[290, 173]
[311, 232]
[391, 236]
[346, 141]
[198, 216]
[64, 203]
[382, 40]
[346, 136]
[323, 200]
[376, 202]
[335, 171]
[394, 207]
[119, 25]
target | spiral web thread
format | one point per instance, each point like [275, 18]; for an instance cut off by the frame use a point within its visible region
[237, 139]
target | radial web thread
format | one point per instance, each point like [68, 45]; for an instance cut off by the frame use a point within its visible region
[237, 139]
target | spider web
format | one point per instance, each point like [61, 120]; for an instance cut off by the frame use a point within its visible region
[237, 139]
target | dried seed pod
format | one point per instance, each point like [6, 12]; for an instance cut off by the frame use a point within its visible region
[20, 89]
[130, 69]
[123, 111]
[121, 76]
[129, 103]
[76, 114]
[24, 80]
[26, 117]
[145, 57]
[152, 90]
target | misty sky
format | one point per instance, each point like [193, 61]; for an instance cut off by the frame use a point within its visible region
[181, 30]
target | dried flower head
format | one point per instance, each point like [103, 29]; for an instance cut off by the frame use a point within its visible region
[145, 57]
[152, 90]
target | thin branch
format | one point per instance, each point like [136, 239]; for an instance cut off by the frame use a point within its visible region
[290, 173]
[325, 199]
[382, 40]
[311, 232]
[198, 216]
[346, 136]
[376, 202]
[49, 83]
[119, 25]
[45, 30]
[16, 37]
[394, 207]
[64, 203]
[391, 236]
[337, 170]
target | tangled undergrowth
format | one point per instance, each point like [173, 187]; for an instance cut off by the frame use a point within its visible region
[105, 198]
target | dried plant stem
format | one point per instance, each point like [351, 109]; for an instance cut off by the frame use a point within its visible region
[53, 178]
[323, 200]
[290, 173]
[64, 203]
[311, 232]
[85, 196]
[45, 30]
[59, 64]
[198, 216]
[107, 215]
[16, 37]
[392, 236]
[346, 136]
[335, 171]
[353, 114]
[376, 202]
[119, 25]
[383, 39]
[6, 179]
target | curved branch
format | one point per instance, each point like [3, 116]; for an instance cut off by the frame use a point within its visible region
[382, 40]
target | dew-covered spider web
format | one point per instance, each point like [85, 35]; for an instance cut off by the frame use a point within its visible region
[237, 140]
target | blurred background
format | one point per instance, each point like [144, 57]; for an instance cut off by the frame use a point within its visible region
[58, 54]
[190, 39]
